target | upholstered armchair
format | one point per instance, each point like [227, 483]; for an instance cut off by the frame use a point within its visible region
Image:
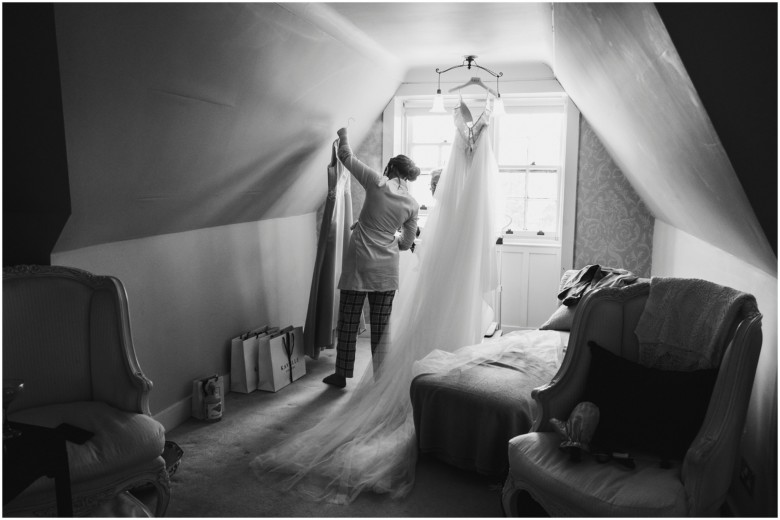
[696, 484]
[66, 333]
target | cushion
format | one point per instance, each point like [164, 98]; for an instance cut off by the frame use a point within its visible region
[122, 439]
[575, 284]
[561, 319]
[465, 416]
[646, 409]
[123, 505]
[602, 490]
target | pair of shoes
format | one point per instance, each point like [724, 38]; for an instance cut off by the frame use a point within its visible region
[336, 380]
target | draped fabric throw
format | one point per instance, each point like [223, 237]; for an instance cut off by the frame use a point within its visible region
[334, 232]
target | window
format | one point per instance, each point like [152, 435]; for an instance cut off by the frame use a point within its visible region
[428, 142]
[529, 155]
[528, 145]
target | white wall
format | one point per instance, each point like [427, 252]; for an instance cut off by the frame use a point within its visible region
[191, 292]
[676, 253]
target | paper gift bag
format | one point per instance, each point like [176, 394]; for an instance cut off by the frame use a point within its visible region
[201, 407]
[280, 359]
[243, 360]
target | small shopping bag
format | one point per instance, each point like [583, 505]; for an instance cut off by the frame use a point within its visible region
[294, 349]
[243, 360]
[208, 398]
[280, 359]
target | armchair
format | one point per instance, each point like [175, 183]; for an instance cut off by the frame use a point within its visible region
[694, 486]
[66, 333]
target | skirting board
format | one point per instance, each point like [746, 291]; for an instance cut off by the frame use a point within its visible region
[179, 412]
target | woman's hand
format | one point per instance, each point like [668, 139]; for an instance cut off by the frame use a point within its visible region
[342, 137]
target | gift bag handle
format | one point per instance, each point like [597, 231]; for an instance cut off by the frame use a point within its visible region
[288, 341]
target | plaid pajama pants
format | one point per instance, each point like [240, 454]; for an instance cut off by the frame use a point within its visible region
[350, 307]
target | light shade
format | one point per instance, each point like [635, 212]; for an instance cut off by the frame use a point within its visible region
[498, 107]
[438, 103]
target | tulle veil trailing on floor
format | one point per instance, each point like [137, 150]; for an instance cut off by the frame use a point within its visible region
[369, 442]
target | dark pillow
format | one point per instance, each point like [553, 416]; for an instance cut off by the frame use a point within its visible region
[646, 409]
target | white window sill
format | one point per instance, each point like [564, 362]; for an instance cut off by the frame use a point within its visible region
[533, 242]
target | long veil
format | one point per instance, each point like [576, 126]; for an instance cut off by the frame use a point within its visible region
[368, 443]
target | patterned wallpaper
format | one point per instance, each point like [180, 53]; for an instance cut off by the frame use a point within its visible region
[613, 228]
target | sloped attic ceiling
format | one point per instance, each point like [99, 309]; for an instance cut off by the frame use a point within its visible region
[184, 116]
[187, 116]
[619, 65]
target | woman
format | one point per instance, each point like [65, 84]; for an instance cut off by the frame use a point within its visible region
[367, 442]
[370, 266]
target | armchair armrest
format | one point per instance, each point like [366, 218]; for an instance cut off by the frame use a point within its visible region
[709, 463]
[605, 315]
[558, 398]
[112, 346]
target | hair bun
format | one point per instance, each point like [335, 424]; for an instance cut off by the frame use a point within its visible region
[405, 167]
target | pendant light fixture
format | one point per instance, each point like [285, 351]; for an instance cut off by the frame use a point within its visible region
[438, 99]
[498, 106]
[468, 62]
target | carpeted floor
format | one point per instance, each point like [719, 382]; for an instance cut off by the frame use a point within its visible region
[215, 480]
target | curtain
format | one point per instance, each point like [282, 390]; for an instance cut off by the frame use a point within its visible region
[334, 231]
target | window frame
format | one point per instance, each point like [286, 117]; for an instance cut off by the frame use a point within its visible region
[542, 104]
[416, 107]
[528, 92]
[531, 234]
[421, 108]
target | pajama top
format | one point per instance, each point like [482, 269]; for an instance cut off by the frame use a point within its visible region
[371, 261]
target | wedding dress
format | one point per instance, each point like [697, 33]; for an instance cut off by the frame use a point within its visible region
[369, 442]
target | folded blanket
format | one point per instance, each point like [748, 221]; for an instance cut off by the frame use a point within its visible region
[686, 322]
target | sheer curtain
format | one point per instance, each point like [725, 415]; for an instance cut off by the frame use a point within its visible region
[322, 314]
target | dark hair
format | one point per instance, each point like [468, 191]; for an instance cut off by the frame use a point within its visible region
[404, 166]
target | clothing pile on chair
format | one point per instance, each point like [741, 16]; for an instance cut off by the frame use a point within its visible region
[593, 277]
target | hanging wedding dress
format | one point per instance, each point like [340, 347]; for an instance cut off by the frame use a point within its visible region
[369, 442]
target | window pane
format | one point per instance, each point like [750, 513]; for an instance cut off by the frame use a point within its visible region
[431, 128]
[512, 183]
[545, 137]
[515, 209]
[543, 184]
[512, 140]
[420, 189]
[530, 138]
[444, 151]
[426, 156]
[542, 215]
